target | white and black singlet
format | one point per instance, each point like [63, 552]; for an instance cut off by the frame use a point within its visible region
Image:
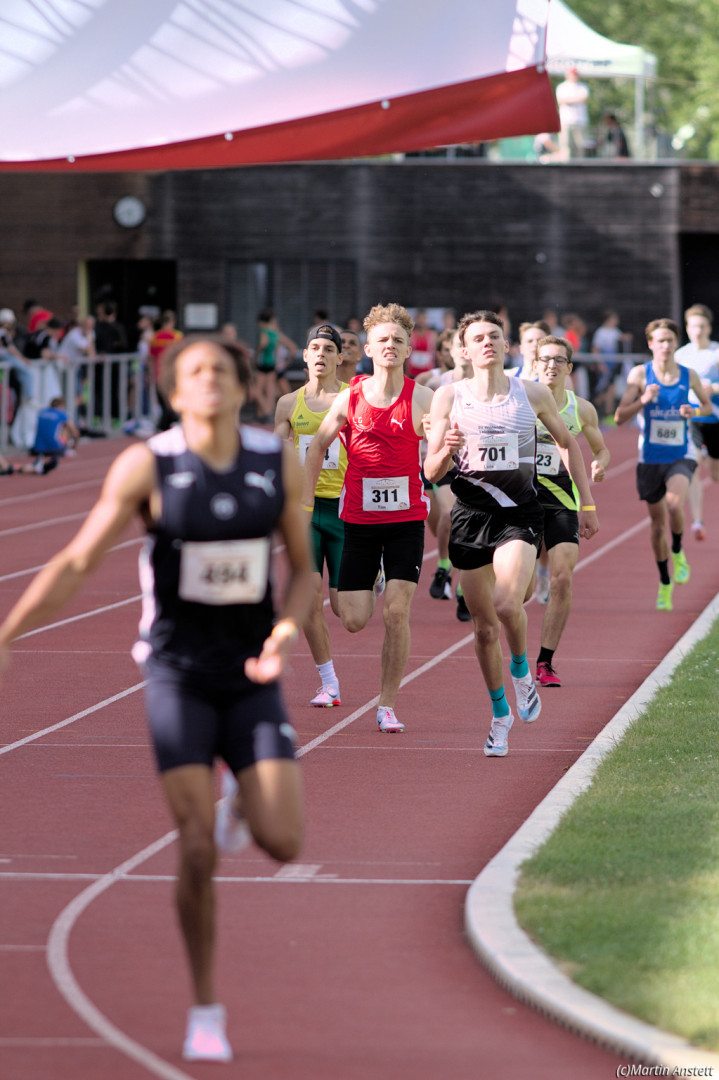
[496, 465]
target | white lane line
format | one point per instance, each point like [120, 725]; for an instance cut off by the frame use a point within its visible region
[42, 524]
[306, 878]
[57, 954]
[36, 569]
[80, 617]
[63, 977]
[71, 719]
[37, 496]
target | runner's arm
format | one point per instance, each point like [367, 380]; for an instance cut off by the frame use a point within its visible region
[421, 403]
[283, 412]
[705, 406]
[636, 395]
[295, 608]
[443, 440]
[592, 433]
[129, 486]
[327, 432]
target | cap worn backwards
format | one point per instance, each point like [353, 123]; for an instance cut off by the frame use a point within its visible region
[329, 333]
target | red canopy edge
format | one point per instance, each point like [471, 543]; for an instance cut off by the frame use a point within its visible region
[480, 110]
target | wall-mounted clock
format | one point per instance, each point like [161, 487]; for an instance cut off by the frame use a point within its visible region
[129, 211]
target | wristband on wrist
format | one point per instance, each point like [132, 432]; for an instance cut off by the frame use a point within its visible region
[305, 506]
[587, 508]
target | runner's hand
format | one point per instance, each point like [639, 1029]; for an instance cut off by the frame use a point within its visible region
[269, 665]
[588, 524]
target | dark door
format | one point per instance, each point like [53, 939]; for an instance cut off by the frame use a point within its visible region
[133, 284]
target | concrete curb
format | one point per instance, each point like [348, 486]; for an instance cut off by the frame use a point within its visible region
[515, 960]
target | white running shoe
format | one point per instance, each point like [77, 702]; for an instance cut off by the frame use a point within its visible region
[496, 744]
[528, 704]
[387, 721]
[232, 833]
[380, 581]
[205, 1039]
[327, 696]
[541, 586]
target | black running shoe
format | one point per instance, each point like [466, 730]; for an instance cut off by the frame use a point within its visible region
[441, 587]
[462, 610]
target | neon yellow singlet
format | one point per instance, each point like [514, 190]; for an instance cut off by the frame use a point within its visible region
[557, 487]
[305, 424]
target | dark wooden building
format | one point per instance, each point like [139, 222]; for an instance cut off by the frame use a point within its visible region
[640, 237]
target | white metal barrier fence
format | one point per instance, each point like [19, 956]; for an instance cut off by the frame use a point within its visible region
[103, 393]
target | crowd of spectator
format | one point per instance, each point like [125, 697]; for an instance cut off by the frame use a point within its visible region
[80, 343]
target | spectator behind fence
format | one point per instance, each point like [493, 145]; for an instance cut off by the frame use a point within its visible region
[54, 437]
[22, 383]
[608, 343]
[165, 335]
[110, 340]
[270, 339]
[424, 346]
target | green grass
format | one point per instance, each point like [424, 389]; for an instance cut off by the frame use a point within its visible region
[625, 893]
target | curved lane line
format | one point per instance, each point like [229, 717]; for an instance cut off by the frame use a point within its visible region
[58, 959]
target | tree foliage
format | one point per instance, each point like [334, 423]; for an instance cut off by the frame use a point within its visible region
[683, 101]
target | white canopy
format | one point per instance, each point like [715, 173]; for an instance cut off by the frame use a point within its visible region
[175, 84]
[571, 43]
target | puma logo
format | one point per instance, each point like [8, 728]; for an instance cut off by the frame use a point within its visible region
[266, 482]
[399, 423]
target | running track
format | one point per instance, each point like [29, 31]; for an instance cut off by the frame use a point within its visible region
[352, 963]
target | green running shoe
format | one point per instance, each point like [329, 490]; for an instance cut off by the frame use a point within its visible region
[681, 567]
[664, 597]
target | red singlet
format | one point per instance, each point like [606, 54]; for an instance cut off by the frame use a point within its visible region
[382, 483]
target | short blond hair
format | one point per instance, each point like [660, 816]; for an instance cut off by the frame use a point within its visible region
[389, 313]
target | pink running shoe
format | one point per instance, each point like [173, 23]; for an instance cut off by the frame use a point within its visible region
[547, 676]
[326, 697]
[387, 721]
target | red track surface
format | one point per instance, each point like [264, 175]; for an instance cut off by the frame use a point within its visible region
[354, 964]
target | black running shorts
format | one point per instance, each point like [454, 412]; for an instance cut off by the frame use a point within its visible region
[193, 720]
[400, 546]
[561, 526]
[652, 479]
[706, 435]
[476, 534]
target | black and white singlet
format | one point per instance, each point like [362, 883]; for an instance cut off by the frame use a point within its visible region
[496, 465]
[205, 565]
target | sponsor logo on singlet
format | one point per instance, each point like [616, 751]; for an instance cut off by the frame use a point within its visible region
[224, 506]
[266, 482]
[181, 480]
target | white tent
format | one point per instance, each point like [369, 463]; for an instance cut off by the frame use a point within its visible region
[571, 43]
[132, 84]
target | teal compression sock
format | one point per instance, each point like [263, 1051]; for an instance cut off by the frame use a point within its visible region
[500, 705]
[519, 666]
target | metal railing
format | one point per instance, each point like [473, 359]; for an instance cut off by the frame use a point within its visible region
[103, 393]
